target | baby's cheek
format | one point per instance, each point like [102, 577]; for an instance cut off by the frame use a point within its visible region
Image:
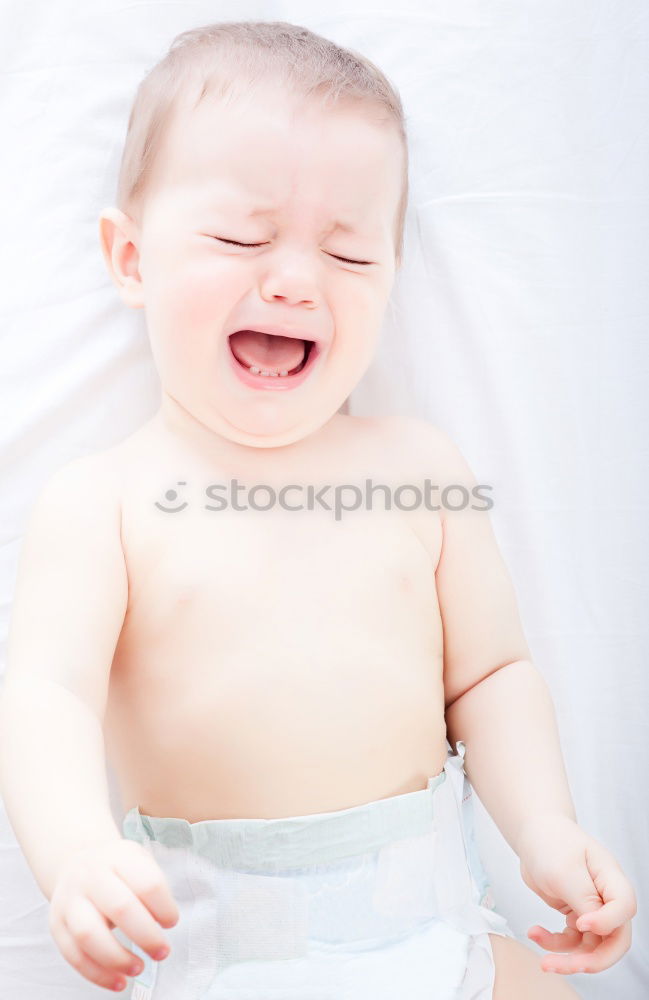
[199, 287]
[194, 301]
[184, 333]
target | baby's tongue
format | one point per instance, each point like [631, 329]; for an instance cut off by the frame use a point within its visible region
[266, 351]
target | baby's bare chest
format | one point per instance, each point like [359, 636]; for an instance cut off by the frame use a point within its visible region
[299, 631]
[210, 585]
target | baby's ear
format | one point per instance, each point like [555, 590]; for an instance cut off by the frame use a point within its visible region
[118, 238]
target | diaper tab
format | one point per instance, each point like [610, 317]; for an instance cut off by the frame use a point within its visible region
[143, 983]
[483, 889]
[452, 877]
[461, 884]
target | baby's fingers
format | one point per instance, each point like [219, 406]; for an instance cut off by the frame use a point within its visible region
[614, 889]
[594, 954]
[94, 939]
[613, 914]
[142, 874]
[566, 940]
[609, 950]
[85, 965]
[116, 901]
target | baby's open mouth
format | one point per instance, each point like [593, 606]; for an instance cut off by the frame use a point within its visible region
[270, 356]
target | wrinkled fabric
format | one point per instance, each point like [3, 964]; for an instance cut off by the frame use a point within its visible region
[383, 899]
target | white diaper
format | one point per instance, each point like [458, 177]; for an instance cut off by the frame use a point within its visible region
[381, 900]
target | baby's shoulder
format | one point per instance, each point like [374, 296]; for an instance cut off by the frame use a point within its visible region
[111, 469]
[87, 483]
[410, 429]
[415, 448]
[414, 439]
[76, 509]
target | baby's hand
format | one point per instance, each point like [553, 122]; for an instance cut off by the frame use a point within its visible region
[575, 874]
[113, 884]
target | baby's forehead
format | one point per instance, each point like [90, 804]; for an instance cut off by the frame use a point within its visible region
[260, 123]
[225, 143]
[214, 160]
[223, 199]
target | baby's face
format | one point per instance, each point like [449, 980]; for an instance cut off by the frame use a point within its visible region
[302, 277]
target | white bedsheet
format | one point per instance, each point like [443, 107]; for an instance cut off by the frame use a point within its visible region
[518, 324]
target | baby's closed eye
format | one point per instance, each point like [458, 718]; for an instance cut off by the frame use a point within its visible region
[346, 260]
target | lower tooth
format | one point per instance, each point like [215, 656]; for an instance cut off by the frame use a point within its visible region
[261, 371]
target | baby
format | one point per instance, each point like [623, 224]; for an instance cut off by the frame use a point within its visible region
[241, 601]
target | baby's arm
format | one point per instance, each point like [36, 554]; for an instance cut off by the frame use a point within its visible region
[500, 706]
[496, 702]
[69, 607]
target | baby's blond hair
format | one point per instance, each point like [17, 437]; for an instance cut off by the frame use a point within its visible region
[230, 60]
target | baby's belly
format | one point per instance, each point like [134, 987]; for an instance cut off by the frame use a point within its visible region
[263, 674]
[270, 736]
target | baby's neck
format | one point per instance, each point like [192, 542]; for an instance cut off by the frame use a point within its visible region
[177, 426]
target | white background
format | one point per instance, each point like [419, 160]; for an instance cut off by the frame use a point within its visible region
[518, 324]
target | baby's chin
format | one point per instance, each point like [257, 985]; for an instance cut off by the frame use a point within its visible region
[268, 424]
[272, 430]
